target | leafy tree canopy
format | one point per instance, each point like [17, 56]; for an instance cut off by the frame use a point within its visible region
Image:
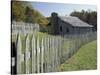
[89, 16]
[23, 11]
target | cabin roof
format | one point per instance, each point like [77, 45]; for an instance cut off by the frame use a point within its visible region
[74, 21]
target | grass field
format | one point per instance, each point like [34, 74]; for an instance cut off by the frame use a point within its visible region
[84, 59]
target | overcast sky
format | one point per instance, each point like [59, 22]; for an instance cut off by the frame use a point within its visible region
[62, 9]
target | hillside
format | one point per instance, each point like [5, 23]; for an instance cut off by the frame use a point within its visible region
[23, 11]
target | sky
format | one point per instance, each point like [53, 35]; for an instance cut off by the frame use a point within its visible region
[61, 8]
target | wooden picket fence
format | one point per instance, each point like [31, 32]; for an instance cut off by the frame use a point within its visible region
[41, 54]
[22, 27]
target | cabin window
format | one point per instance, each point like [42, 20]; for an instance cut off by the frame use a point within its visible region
[61, 28]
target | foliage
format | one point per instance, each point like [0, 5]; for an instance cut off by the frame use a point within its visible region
[23, 11]
[17, 11]
[89, 16]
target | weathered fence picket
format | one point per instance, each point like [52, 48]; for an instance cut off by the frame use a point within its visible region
[24, 28]
[27, 55]
[38, 55]
[42, 55]
[20, 55]
[33, 54]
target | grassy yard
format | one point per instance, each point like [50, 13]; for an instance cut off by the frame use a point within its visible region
[84, 59]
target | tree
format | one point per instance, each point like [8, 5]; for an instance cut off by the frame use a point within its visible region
[17, 11]
[24, 11]
[89, 17]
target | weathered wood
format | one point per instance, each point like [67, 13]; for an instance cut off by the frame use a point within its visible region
[38, 55]
[20, 56]
[50, 46]
[55, 54]
[33, 54]
[42, 55]
[47, 52]
[45, 59]
[22, 27]
[27, 55]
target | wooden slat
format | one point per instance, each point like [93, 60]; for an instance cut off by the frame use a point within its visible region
[19, 55]
[38, 55]
[27, 55]
[42, 55]
[33, 54]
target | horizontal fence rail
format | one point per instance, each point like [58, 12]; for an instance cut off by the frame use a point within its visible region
[44, 53]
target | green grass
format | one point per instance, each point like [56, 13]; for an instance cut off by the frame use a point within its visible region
[84, 59]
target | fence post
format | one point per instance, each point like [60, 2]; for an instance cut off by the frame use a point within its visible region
[50, 46]
[60, 51]
[33, 54]
[57, 46]
[53, 55]
[20, 56]
[45, 55]
[27, 55]
[38, 54]
[49, 53]
[42, 55]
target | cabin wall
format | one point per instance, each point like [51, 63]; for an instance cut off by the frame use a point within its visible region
[64, 28]
[82, 30]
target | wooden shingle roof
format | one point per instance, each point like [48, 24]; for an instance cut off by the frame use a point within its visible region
[74, 21]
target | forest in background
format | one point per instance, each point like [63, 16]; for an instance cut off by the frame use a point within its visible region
[88, 16]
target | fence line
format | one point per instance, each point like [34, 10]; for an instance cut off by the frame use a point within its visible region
[22, 27]
[38, 54]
